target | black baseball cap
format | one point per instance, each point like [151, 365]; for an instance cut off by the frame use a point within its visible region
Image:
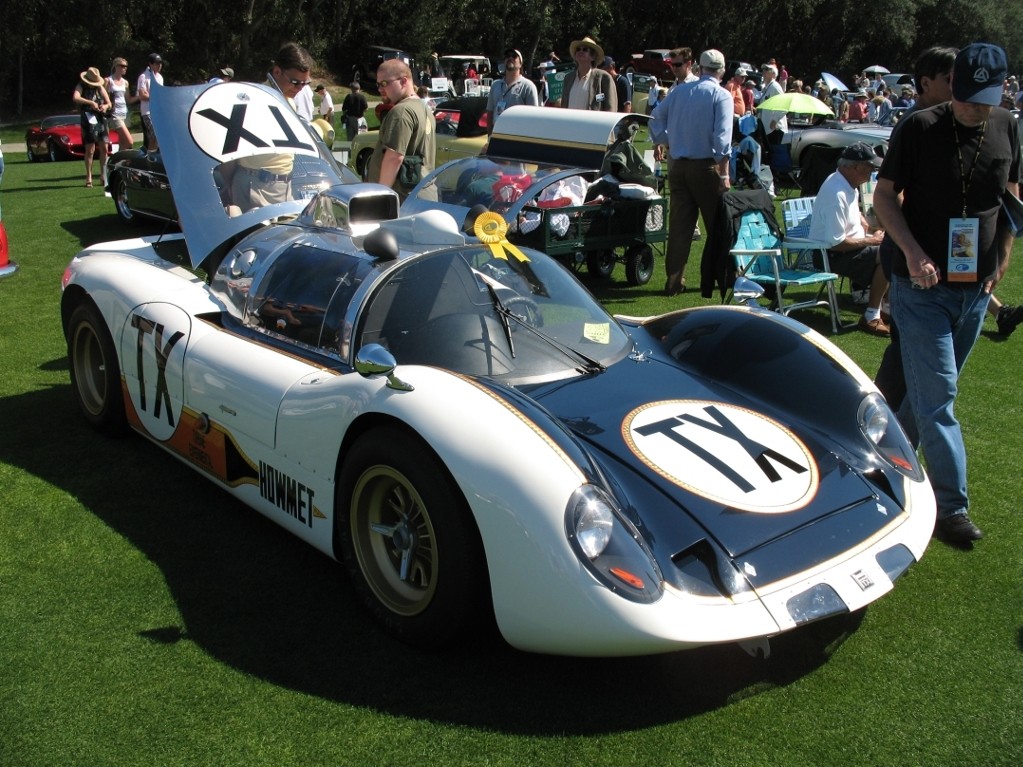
[861, 152]
[155, 58]
[510, 52]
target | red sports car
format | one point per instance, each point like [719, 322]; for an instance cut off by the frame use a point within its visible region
[58, 138]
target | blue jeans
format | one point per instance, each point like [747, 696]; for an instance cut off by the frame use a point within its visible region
[938, 328]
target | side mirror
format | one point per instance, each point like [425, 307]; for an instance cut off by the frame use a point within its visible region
[374, 360]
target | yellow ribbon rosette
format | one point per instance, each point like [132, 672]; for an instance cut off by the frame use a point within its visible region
[491, 230]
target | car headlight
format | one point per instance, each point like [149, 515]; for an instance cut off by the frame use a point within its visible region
[610, 547]
[882, 429]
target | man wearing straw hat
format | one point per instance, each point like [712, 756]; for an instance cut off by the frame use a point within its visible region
[589, 87]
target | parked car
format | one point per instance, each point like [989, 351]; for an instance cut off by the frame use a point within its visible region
[834, 134]
[537, 175]
[55, 138]
[458, 63]
[653, 61]
[470, 433]
[137, 179]
[461, 132]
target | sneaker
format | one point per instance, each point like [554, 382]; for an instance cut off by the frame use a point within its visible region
[1008, 318]
[876, 327]
[958, 528]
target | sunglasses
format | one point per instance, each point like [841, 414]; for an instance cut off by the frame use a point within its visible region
[299, 83]
[677, 64]
[385, 83]
[584, 49]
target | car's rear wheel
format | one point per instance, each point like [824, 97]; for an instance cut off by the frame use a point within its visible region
[119, 191]
[95, 371]
[639, 264]
[600, 263]
[52, 150]
[408, 539]
[362, 162]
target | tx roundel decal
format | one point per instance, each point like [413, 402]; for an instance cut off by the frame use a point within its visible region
[249, 121]
[727, 454]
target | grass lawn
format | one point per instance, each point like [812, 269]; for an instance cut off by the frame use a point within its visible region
[146, 618]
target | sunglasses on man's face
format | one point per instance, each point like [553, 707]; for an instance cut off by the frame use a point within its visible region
[299, 83]
[385, 83]
[677, 64]
[584, 49]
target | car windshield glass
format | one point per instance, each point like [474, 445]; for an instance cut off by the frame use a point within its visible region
[304, 296]
[451, 309]
[486, 181]
[253, 182]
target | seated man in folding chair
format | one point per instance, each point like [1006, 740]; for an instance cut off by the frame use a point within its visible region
[853, 249]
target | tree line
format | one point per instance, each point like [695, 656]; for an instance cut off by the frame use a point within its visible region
[44, 45]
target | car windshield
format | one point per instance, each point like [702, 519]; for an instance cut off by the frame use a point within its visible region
[493, 183]
[57, 122]
[520, 318]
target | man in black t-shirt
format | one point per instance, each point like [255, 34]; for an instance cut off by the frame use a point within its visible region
[952, 164]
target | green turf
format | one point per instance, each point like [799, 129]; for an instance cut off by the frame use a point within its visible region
[148, 619]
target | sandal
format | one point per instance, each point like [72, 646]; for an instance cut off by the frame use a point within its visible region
[88, 183]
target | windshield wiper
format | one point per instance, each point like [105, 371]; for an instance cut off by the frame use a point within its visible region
[588, 366]
[504, 314]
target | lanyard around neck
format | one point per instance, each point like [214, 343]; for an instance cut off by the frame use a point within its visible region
[965, 179]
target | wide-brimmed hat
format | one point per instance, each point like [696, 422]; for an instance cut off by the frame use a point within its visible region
[227, 72]
[92, 77]
[589, 42]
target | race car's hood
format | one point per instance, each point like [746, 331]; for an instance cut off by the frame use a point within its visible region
[204, 129]
[748, 468]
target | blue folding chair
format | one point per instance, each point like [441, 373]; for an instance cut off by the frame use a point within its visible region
[758, 253]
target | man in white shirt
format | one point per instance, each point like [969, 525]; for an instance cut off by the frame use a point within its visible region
[837, 220]
[143, 87]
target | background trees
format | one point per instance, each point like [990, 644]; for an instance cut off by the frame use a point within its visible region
[45, 44]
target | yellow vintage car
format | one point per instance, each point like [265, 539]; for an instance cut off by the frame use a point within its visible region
[461, 132]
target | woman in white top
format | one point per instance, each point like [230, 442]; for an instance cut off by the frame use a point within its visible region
[120, 95]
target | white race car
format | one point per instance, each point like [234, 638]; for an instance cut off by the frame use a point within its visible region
[468, 431]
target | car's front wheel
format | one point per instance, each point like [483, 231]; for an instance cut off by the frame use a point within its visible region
[119, 191]
[95, 371]
[408, 539]
[52, 150]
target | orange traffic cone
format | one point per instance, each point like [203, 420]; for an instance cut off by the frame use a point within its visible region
[7, 266]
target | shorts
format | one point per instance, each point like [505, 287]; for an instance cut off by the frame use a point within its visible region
[115, 123]
[93, 131]
[857, 265]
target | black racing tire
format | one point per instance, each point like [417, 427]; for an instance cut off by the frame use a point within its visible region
[362, 162]
[408, 540]
[95, 371]
[51, 149]
[639, 264]
[32, 156]
[119, 191]
[600, 263]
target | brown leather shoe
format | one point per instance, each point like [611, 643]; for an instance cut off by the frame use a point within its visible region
[874, 327]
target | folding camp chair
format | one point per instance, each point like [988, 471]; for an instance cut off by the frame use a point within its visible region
[800, 249]
[758, 254]
[786, 174]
